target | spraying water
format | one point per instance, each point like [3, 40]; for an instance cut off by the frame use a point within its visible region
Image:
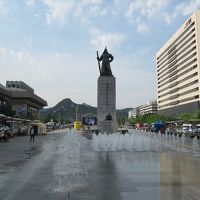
[69, 172]
[136, 140]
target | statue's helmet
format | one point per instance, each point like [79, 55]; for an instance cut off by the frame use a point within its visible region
[105, 51]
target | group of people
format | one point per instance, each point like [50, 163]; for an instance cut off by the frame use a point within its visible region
[4, 137]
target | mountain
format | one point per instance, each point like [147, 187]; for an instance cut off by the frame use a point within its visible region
[66, 110]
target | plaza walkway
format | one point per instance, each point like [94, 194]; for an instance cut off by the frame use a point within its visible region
[64, 165]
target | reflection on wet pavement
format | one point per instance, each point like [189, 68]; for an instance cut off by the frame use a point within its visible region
[33, 151]
[179, 176]
[63, 165]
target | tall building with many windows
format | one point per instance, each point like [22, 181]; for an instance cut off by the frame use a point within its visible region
[178, 70]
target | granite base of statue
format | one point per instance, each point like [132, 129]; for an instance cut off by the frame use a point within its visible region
[106, 96]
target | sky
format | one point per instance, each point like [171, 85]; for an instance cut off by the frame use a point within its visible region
[51, 45]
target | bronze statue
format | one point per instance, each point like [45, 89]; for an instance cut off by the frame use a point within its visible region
[106, 58]
[109, 117]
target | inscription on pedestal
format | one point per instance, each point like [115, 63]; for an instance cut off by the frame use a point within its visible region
[106, 104]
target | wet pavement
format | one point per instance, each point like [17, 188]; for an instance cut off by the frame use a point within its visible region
[65, 165]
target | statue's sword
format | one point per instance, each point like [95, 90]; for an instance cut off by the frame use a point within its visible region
[98, 63]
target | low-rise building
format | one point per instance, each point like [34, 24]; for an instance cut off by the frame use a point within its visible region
[133, 113]
[21, 98]
[149, 107]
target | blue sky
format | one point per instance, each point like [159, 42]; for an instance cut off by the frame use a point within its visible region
[51, 45]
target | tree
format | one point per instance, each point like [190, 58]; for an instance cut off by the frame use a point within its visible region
[185, 117]
[196, 115]
[121, 121]
[148, 118]
[131, 121]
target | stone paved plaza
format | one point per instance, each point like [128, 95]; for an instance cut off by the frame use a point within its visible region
[66, 165]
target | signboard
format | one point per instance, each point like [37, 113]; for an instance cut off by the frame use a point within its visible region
[188, 22]
[89, 121]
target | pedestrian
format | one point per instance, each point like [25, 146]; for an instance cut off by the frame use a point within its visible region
[32, 134]
[3, 136]
[6, 139]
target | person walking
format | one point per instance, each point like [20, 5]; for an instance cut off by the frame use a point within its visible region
[32, 134]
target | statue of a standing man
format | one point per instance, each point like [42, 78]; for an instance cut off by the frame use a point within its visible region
[106, 58]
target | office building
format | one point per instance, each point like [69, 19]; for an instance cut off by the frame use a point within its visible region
[178, 70]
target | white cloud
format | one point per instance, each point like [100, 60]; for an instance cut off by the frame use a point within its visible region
[96, 1]
[9, 55]
[4, 52]
[58, 11]
[22, 65]
[139, 11]
[147, 8]
[30, 3]
[169, 17]
[81, 14]
[97, 11]
[87, 9]
[3, 8]
[25, 57]
[183, 8]
[28, 40]
[142, 28]
[111, 40]
[186, 8]
[90, 2]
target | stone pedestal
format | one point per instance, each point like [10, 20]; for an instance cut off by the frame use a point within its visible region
[106, 103]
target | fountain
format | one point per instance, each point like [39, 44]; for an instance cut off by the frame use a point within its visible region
[136, 140]
[195, 145]
[183, 143]
[132, 141]
[69, 172]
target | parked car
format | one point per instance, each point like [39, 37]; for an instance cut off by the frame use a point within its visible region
[187, 128]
